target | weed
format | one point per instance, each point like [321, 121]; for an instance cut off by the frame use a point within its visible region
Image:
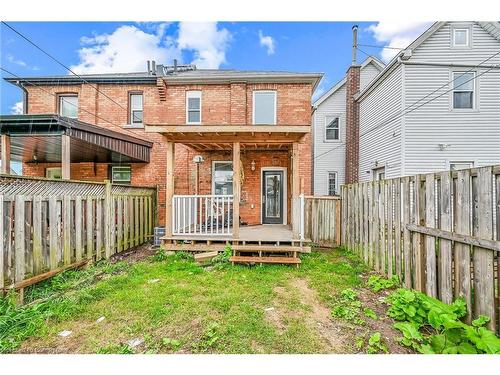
[116, 349]
[375, 344]
[370, 313]
[222, 259]
[348, 307]
[160, 255]
[378, 283]
[208, 340]
[171, 344]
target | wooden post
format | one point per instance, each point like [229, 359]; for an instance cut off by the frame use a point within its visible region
[66, 214]
[236, 189]
[53, 232]
[37, 234]
[5, 156]
[295, 170]
[418, 219]
[430, 241]
[78, 229]
[169, 187]
[19, 240]
[445, 255]
[108, 220]
[65, 157]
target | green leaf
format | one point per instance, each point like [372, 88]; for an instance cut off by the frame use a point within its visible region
[426, 349]
[370, 313]
[438, 343]
[466, 348]
[409, 330]
[375, 338]
[481, 321]
[488, 342]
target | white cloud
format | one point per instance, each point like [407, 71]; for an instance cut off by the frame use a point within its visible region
[17, 109]
[268, 42]
[207, 42]
[13, 60]
[396, 34]
[125, 50]
[129, 47]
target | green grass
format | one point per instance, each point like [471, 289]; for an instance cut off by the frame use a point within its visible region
[221, 310]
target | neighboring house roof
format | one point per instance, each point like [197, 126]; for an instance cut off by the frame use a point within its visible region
[493, 28]
[370, 60]
[181, 76]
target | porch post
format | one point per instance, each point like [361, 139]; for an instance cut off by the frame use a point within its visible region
[236, 189]
[295, 190]
[65, 157]
[5, 157]
[169, 187]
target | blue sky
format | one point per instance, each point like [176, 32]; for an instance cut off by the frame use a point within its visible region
[91, 47]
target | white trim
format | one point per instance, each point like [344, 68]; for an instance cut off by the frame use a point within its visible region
[62, 97]
[193, 94]
[448, 162]
[466, 28]
[474, 92]
[131, 110]
[328, 182]
[285, 193]
[213, 172]
[326, 122]
[275, 105]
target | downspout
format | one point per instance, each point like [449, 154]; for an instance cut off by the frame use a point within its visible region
[25, 97]
[403, 130]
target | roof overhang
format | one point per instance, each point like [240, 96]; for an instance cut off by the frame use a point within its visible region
[37, 138]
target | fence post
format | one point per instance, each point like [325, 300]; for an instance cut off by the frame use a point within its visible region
[107, 218]
[302, 216]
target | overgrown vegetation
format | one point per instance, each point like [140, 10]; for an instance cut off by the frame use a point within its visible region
[222, 259]
[378, 283]
[348, 307]
[431, 326]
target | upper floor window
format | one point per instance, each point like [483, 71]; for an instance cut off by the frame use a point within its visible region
[68, 105]
[461, 37]
[463, 90]
[135, 108]
[264, 107]
[331, 128]
[332, 183]
[193, 107]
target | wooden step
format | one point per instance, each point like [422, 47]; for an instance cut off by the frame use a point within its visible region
[275, 260]
[205, 257]
[272, 248]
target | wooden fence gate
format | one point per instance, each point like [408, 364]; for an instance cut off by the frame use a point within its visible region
[437, 232]
[50, 225]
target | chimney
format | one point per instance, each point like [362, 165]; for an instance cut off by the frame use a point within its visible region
[149, 68]
[153, 67]
[175, 65]
[352, 115]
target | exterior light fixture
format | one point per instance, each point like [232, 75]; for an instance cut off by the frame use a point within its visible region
[252, 165]
[443, 146]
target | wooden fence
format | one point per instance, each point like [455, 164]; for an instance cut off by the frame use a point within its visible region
[50, 225]
[437, 232]
[321, 219]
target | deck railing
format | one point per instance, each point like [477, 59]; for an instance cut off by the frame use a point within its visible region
[202, 215]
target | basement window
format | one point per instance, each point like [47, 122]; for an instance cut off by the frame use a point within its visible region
[68, 106]
[54, 172]
[463, 90]
[193, 107]
[121, 174]
[264, 107]
[458, 165]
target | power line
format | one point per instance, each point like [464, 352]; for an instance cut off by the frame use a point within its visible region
[60, 63]
[409, 108]
[381, 47]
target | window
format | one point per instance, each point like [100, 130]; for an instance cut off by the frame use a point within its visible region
[68, 105]
[332, 128]
[193, 107]
[463, 90]
[121, 174]
[55, 172]
[457, 165]
[461, 37]
[264, 107]
[222, 178]
[332, 183]
[379, 174]
[135, 103]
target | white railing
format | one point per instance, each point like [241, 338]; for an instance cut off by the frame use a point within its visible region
[202, 215]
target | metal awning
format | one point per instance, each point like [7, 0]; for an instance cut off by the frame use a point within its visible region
[37, 138]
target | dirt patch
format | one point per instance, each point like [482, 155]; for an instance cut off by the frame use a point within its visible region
[135, 254]
[312, 312]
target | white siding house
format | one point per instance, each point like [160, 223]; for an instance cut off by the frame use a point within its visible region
[436, 105]
[329, 154]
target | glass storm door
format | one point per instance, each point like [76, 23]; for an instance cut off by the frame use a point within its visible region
[272, 197]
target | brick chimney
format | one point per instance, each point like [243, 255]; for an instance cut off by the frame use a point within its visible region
[352, 116]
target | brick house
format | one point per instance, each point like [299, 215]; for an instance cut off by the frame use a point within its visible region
[185, 130]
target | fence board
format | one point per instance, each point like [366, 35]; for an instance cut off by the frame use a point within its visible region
[445, 256]
[78, 229]
[89, 210]
[390, 229]
[430, 241]
[66, 225]
[383, 246]
[53, 232]
[2, 244]
[37, 234]
[404, 204]
[19, 234]
[119, 231]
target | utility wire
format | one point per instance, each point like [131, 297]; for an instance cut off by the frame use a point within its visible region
[409, 108]
[60, 63]
[381, 47]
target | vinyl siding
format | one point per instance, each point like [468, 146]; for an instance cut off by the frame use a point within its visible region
[333, 161]
[383, 145]
[473, 135]
[367, 74]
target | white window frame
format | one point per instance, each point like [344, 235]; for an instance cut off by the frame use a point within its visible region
[332, 116]
[214, 162]
[328, 183]
[454, 161]
[377, 171]
[275, 105]
[468, 37]
[193, 94]
[131, 117]
[61, 97]
[50, 169]
[474, 91]
[121, 181]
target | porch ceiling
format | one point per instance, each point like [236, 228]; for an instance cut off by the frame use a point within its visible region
[218, 146]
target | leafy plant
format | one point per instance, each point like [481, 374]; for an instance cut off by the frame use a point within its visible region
[375, 344]
[116, 349]
[370, 313]
[378, 283]
[160, 255]
[171, 344]
[444, 332]
[223, 258]
[208, 340]
[348, 307]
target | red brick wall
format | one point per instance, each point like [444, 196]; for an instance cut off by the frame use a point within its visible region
[222, 104]
[352, 126]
